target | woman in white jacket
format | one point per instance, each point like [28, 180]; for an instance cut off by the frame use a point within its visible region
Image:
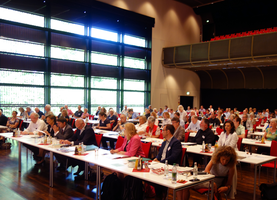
[228, 137]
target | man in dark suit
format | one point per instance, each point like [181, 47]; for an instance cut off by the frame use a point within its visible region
[171, 150]
[64, 130]
[204, 133]
[85, 135]
[3, 118]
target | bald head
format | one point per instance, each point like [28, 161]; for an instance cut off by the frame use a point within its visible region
[79, 123]
[34, 117]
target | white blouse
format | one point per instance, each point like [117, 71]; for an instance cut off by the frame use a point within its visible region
[230, 140]
[166, 121]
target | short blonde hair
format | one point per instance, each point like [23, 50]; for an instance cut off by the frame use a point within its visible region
[130, 130]
[166, 114]
[65, 111]
[154, 115]
[180, 106]
[143, 117]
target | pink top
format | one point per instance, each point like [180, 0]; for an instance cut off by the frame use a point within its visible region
[69, 112]
[134, 147]
[85, 115]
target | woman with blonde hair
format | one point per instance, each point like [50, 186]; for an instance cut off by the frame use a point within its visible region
[155, 116]
[183, 113]
[132, 144]
[167, 119]
[223, 166]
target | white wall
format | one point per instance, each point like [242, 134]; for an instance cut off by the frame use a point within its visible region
[175, 24]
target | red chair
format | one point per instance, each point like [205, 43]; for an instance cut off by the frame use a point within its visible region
[111, 126]
[119, 142]
[183, 155]
[146, 148]
[246, 133]
[98, 138]
[254, 127]
[119, 115]
[20, 125]
[72, 122]
[161, 136]
[219, 130]
[187, 136]
[273, 152]
[186, 126]
[91, 117]
[239, 143]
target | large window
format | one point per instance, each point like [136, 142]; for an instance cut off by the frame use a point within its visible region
[67, 27]
[67, 53]
[21, 47]
[103, 34]
[21, 17]
[69, 80]
[79, 59]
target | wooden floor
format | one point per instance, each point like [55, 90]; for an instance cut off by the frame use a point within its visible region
[32, 182]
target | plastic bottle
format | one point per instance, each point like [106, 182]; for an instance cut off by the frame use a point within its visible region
[215, 146]
[195, 171]
[139, 164]
[174, 174]
[203, 144]
[166, 169]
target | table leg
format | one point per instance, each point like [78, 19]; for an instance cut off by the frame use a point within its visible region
[174, 194]
[212, 190]
[99, 182]
[274, 171]
[19, 156]
[86, 171]
[255, 179]
[51, 174]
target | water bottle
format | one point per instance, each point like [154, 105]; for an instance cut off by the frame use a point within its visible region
[174, 174]
[203, 144]
[166, 169]
[195, 171]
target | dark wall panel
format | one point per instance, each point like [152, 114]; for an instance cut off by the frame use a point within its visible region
[205, 79]
[253, 78]
[219, 79]
[235, 79]
[240, 98]
[270, 77]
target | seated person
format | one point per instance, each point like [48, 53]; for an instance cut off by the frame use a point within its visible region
[204, 133]
[221, 116]
[85, 114]
[167, 119]
[64, 130]
[191, 114]
[240, 130]
[13, 122]
[60, 114]
[98, 110]
[65, 115]
[142, 125]
[179, 130]
[28, 112]
[152, 130]
[85, 135]
[132, 144]
[132, 114]
[155, 116]
[251, 121]
[104, 124]
[222, 165]
[41, 114]
[270, 134]
[33, 128]
[228, 137]
[125, 111]
[22, 113]
[171, 113]
[213, 120]
[160, 113]
[78, 113]
[244, 121]
[69, 112]
[121, 124]
[52, 125]
[112, 117]
[194, 125]
[171, 150]
[48, 111]
[182, 122]
[147, 113]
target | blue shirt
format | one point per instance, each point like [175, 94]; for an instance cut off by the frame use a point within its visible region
[40, 114]
[160, 114]
[135, 115]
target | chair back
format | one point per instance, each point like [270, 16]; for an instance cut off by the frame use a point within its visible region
[254, 127]
[161, 134]
[91, 117]
[119, 115]
[98, 138]
[146, 148]
[183, 155]
[119, 142]
[219, 130]
[239, 143]
[186, 126]
[273, 149]
[187, 136]
[246, 133]
[20, 125]
[71, 122]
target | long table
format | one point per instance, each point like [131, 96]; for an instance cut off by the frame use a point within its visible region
[106, 160]
[253, 142]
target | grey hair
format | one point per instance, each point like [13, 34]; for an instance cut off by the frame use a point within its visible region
[195, 117]
[151, 119]
[123, 115]
[48, 106]
[274, 120]
[35, 115]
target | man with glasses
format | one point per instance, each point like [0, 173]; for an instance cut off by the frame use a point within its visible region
[179, 130]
